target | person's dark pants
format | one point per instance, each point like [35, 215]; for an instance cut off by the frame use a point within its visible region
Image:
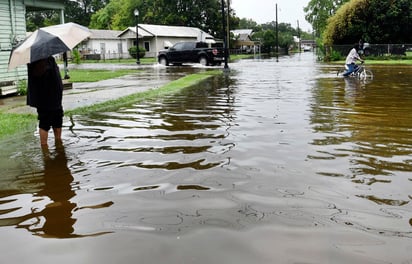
[351, 68]
[50, 118]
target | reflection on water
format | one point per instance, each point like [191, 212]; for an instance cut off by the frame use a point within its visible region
[284, 145]
[51, 214]
[366, 128]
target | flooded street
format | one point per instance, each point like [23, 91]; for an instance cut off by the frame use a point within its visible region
[277, 162]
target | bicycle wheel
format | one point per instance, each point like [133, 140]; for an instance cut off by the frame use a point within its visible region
[366, 74]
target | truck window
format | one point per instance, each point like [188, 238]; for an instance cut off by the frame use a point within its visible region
[217, 45]
[201, 45]
[189, 46]
[179, 46]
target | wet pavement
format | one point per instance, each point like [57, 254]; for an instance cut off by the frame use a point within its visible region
[277, 162]
[86, 94]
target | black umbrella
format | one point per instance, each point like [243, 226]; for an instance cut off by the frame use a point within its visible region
[48, 41]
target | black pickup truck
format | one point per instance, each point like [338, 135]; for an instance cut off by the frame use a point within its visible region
[192, 52]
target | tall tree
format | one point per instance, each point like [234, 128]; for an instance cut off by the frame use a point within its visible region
[36, 19]
[375, 21]
[81, 11]
[204, 14]
[318, 11]
[267, 35]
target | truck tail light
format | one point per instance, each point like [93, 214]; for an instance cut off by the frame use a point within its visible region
[214, 52]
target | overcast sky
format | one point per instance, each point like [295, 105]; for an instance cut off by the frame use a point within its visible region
[263, 11]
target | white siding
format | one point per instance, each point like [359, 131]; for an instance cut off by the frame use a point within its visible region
[111, 48]
[12, 30]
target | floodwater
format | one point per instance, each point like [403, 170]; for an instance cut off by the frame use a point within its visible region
[277, 162]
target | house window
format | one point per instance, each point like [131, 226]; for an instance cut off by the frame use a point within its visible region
[147, 45]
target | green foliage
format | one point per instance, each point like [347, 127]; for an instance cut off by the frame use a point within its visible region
[36, 19]
[335, 56]
[96, 75]
[15, 123]
[133, 51]
[118, 14]
[245, 23]
[22, 87]
[374, 21]
[103, 18]
[318, 11]
[267, 35]
[81, 11]
[76, 56]
[78, 11]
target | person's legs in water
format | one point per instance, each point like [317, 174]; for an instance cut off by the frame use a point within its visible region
[349, 70]
[44, 135]
[57, 125]
[48, 119]
[44, 126]
[57, 134]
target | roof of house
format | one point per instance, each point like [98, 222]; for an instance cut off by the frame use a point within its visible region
[168, 31]
[242, 32]
[104, 34]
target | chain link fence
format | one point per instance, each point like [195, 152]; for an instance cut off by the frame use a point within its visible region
[377, 50]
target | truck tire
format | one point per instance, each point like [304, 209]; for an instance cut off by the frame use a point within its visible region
[163, 61]
[203, 61]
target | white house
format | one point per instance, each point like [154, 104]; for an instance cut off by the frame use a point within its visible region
[157, 37]
[243, 39]
[105, 43]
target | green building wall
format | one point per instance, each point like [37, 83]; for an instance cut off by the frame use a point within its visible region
[12, 31]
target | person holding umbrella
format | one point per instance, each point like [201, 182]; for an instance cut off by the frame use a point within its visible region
[45, 93]
[45, 86]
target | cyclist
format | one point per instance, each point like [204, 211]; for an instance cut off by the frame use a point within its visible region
[350, 63]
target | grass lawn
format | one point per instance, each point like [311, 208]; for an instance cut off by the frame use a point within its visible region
[122, 61]
[96, 75]
[12, 123]
[388, 62]
[382, 60]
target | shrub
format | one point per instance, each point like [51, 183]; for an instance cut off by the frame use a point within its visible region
[76, 56]
[132, 52]
[22, 87]
[336, 55]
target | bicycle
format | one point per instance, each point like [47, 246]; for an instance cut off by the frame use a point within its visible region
[361, 72]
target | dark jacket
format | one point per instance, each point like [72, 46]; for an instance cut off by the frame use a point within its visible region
[45, 87]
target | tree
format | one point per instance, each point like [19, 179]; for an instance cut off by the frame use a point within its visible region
[245, 23]
[318, 12]
[374, 21]
[267, 35]
[204, 14]
[81, 11]
[36, 19]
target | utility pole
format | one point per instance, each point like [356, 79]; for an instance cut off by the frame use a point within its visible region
[136, 14]
[224, 34]
[228, 24]
[300, 41]
[277, 35]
